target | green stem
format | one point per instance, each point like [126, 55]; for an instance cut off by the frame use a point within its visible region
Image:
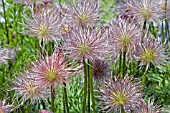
[52, 98]
[88, 77]
[65, 97]
[122, 110]
[39, 105]
[124, 63]
[163, 35]
[92, 90]
[85, 87]
[144, 28]
[6, 23]
[64, 101]
[130, 67]
[144, 79]
[120, 62]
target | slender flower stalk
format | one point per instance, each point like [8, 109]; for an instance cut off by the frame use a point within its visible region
[120, 94]
[6, 22]
[89, 84]
[91, 73]
[52, 98]
[65, 97]
[85, 86]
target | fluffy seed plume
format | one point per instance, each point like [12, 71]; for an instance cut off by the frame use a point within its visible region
[5, 108]
[28, 88]
[51, 70]
[43, 25]
[85, 13]
[123, 36]
[151, 51]
[145, 10]
[119, 92]
[6, 54]
[149, 108]
[86, 43]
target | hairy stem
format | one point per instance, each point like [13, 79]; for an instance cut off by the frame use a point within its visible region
[52, 98]
[144, 28]
[65, 97]
[92, 90]
[85, 87]
[88, 69]
[120, 62]
[122, 110]
[124, 63]
[64, 107]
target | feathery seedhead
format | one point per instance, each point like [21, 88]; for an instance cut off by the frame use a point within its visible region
[51, 70]
[27, 87]
[119, 92]
[149, 108]
[45, 111]
[44, 25]
[123, 36]
[145, 10]
[86, 43]
[127, 15]
[100, 70]
[5, 108]
[85, 13]
[6, 54]
[151, 51]
[64, 28]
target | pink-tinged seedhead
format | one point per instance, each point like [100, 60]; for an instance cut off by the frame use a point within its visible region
[45, 111]
[151, 51]
[65, 28]
[5, 108]
[28, 88]
[84, 13]
[86, 43]
[123, 36]
[51, 70]
[119, 92]
[6, 54]
[145, 10]
[149, 108]
[43, 25]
